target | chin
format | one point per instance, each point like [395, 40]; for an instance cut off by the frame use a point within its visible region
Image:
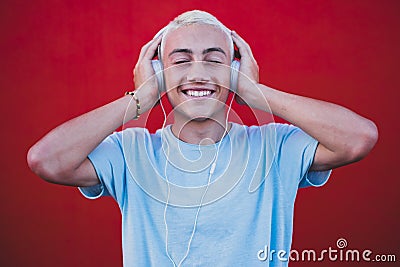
[197, 117]
[200, 119]
[191, 115]
[198, 111]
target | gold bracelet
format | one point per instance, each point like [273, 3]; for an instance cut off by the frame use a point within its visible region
[132, 93]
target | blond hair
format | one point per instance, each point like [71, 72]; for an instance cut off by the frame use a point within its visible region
[194, 17]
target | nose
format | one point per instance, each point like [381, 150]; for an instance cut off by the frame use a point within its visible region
[198, 72]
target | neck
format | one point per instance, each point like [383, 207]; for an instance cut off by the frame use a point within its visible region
[202, 132]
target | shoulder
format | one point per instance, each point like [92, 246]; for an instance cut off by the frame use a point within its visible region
[129, 134]
[119, 140]
[278, 136]
[278, 130]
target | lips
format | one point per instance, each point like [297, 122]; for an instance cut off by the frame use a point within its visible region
[198, 92]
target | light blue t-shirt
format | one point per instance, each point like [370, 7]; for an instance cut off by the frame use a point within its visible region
[247, 198]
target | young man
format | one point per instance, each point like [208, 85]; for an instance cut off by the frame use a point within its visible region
[203, 191]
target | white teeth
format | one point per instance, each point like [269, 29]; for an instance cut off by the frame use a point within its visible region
[198, 93]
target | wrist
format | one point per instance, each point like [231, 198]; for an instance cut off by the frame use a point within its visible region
[145, 99]
[260, 97]
[137, 103]
[250, 93]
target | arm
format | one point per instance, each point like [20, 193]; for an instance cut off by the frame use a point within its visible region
[344, 136]
[61, 155]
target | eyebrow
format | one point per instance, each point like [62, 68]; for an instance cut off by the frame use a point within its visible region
[205, 51]
[213, 49]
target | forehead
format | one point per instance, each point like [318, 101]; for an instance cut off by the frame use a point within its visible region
[196, 37]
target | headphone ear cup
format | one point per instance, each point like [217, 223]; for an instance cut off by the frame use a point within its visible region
[158, 69]
[235, 65]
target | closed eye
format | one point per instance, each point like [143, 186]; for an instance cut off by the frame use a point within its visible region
[181, 61]
[215, 61]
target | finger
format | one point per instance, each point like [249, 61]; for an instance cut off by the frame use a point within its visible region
[150, 46]
[151, 50]
[144, 49]
[160, 32]
[243, 46]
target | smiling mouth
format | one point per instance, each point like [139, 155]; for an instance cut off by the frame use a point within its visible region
[198, 93]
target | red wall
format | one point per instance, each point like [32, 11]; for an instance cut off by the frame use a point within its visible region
[62, 58]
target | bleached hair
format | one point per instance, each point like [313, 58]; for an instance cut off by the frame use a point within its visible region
[195, 17]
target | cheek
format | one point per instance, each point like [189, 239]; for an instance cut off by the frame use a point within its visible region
[221, 75]
[173, 97]
[224, 96]
[174, 76]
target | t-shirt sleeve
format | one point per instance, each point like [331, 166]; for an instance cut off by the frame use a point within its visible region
[296, 151]
[108, 161]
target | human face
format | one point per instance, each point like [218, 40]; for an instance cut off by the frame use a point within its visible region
[196, 62]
